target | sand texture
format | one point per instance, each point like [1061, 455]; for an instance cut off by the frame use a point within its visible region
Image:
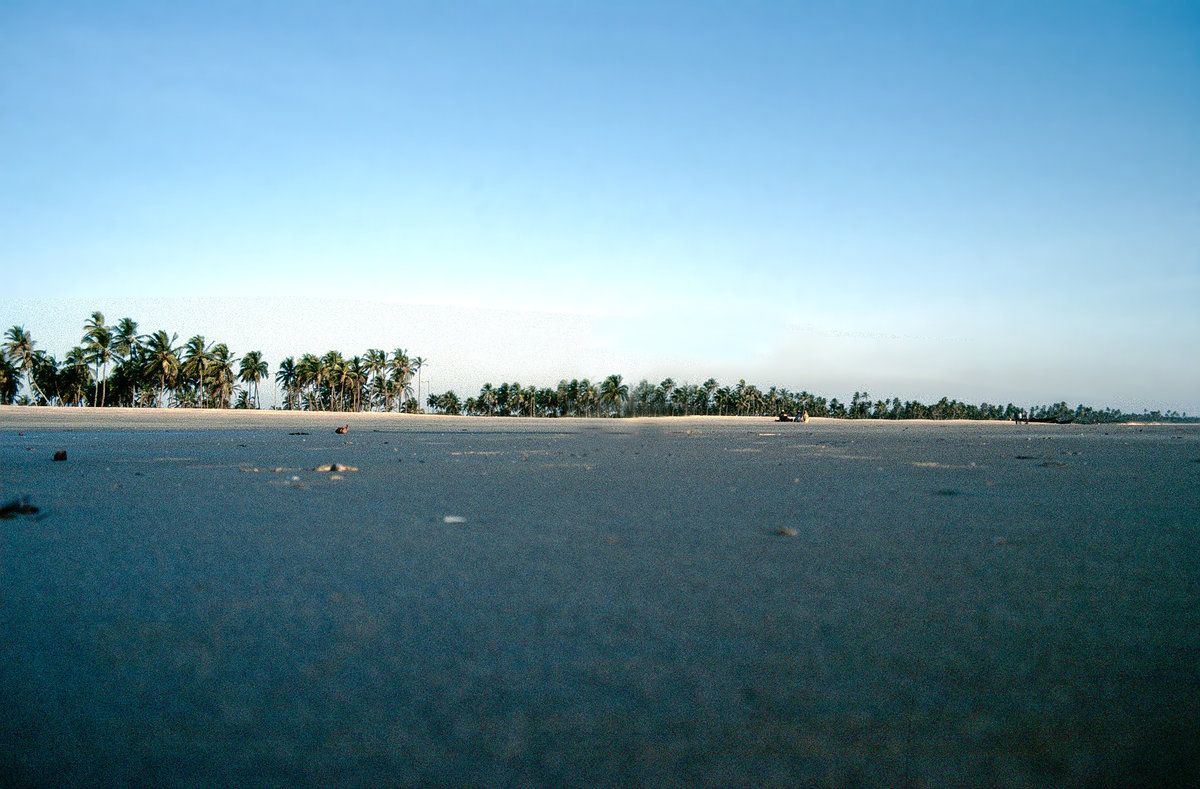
[671, 602]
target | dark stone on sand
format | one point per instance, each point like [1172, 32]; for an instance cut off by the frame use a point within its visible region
[17, 507]
[60, 454]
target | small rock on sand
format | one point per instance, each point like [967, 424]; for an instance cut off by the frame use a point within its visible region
[454, 519]
[60, 454]
[786, 531]
[336, 467]
[18, 507]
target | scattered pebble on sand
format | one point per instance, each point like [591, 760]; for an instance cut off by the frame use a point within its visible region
[454, 519]
[786, 531]
[60, 454]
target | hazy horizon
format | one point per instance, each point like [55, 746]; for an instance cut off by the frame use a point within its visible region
[980, 202]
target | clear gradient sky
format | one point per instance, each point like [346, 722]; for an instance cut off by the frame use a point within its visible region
[993, 201]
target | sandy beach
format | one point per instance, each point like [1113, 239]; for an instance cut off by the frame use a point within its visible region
[659, 602]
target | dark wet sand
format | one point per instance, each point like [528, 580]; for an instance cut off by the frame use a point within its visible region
[960, 605]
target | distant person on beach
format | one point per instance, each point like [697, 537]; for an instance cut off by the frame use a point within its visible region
[783, 417]
[804, 416]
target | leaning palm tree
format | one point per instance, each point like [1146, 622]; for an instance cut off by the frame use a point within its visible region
[18, 349]
[253, 369]
[162, 361]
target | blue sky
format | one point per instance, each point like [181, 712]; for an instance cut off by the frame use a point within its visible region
[986, 201]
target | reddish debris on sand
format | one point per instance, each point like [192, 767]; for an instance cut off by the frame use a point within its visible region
[343, 430]
[60, 454]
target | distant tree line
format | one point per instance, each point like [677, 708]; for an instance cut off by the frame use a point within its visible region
[612, 397]
[115, 365]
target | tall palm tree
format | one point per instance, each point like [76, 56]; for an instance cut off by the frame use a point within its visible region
[333, 372]
[356, 378]
[401, 374]
[487, 399]
[417, 364]
[375, 364]
[162, 361]
[75, 373]
[222, 374]
[287, 378]
[10, 381]
[710, 386]
[308, 379]
[253, 369]
[194, 367]
[18, 348]
[587, 397]
[127, 347]
[98, 342]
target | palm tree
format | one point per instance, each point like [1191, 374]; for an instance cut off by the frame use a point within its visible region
[288, 380]
[162, 360]
[333, 371]
[18, 348]
[127, 347]
[98, 342]
[710, 386]
[253, 369]
[45, 375]
[487, 399]
[9, 381]
[222, 374]
[356, 379]
[75, 373]
[197, 355]
[401, 374]
[375, 363]
[308, 379]
[417, 364]
[613, 393]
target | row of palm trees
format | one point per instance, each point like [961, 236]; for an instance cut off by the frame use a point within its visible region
[115, 365]
[374, 381]
[612, 397]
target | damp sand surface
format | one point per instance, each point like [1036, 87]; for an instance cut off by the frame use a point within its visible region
[667, 602]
